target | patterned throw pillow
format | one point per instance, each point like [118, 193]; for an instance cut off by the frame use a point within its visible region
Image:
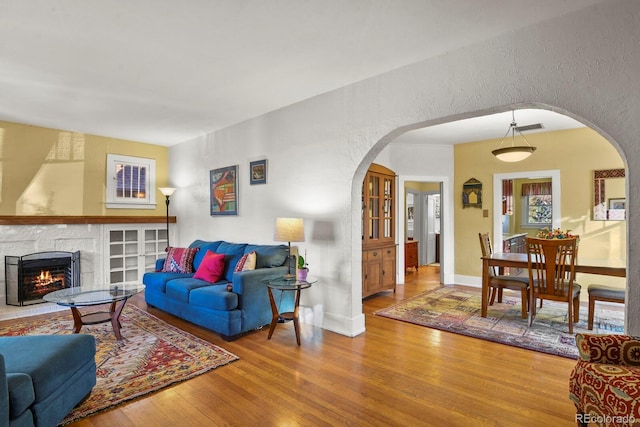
[247, 262]
[630, 353]
[211, 267]
[179, 260]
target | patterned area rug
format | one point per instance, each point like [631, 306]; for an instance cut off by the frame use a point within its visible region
[458, 310]
[151, 356]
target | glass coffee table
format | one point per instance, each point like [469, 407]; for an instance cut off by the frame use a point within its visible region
[84, 297]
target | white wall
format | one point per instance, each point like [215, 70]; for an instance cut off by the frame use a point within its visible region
[584, 65]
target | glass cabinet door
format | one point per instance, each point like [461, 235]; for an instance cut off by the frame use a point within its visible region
[133, 251]
[387, 213]
[374, 207]
[378, 216]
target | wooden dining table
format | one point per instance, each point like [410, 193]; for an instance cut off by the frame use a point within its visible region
[519, 260]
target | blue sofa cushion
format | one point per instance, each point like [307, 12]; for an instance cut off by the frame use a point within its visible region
[204, 247]
[215, 296]
[180, 289]
[158, 281]
[269, 255]
[50, 360]
[232, 254]
[21, 394]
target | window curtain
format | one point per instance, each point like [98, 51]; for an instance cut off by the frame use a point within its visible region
[536, 189]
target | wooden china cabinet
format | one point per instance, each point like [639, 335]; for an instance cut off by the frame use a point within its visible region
[378, 231]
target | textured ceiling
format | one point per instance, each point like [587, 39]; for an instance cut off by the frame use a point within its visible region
[488, 127]
[163, 72]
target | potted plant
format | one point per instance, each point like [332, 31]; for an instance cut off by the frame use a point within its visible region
[303, 269]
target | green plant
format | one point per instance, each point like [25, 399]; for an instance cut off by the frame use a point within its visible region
[301, 262]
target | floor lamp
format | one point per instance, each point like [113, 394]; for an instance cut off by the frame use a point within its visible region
[289, 230]
[167, 191]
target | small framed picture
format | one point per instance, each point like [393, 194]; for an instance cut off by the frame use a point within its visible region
[258, 171]
[224, 191]
[617, 204]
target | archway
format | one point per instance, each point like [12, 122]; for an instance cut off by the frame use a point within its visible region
[449, 235]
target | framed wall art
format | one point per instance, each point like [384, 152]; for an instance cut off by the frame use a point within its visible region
[258, 172]
[224, 190]
[617, 203]
[472, 194]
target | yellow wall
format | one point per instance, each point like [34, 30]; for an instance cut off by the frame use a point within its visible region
[576, 153]
[422, 186]
[54, 172]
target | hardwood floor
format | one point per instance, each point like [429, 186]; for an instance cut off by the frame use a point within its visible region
[395, 374]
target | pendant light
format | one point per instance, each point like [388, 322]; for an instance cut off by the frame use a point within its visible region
[513, 152]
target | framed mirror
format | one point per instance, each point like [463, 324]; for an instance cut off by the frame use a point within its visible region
[609, 199]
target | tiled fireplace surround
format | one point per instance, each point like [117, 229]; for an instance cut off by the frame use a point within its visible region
[89, 239]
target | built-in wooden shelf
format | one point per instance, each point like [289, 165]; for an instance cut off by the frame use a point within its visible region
[45, 220]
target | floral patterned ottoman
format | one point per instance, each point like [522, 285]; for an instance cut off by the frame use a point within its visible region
[605, 383]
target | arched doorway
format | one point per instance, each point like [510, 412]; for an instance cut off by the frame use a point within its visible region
[465, 266]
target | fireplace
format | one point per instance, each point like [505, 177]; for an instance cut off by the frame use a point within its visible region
[30, 277]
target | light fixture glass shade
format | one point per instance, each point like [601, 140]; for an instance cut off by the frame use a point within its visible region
[167, 191]
[513, 154]
[289, 230]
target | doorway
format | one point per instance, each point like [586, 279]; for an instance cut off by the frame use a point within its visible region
[432, 241]
[499, 219]
[422, 219]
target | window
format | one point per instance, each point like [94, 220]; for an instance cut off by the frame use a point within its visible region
[130, 182]
[537, 205]
[537, 211]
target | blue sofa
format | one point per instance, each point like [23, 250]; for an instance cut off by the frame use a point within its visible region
[236, 304]
[43, 377]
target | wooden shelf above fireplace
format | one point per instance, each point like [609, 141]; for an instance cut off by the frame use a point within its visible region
[42, 219]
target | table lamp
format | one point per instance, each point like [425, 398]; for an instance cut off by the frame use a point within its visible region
[289, 230]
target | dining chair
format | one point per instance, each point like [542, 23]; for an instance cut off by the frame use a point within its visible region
[498, 282]
[551, 264]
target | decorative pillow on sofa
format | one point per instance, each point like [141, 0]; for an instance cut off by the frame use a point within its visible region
[269, 255]
[247, 262]
[211, 267]
[180, 260]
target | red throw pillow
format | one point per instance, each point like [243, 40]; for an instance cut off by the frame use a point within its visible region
[211, 267]
[180, 260]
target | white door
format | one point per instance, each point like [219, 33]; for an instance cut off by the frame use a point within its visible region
[431, 237]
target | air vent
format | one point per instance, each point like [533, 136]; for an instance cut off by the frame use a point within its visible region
[525, 128]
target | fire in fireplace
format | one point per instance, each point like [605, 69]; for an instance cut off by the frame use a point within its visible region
[30, 277]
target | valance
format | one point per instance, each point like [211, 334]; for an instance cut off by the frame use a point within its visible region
[536, 189]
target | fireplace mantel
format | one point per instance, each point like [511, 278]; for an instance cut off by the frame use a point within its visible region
[42, 219]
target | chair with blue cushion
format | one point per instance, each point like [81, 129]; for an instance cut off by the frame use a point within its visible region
[602, 293]
[552, 275]
[499, 282]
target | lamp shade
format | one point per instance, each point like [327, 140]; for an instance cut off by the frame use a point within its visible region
[514, 154]
[289, 230]
[167, 191]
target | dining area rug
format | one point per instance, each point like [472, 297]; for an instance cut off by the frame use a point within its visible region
[457, 309]
[152, 355]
